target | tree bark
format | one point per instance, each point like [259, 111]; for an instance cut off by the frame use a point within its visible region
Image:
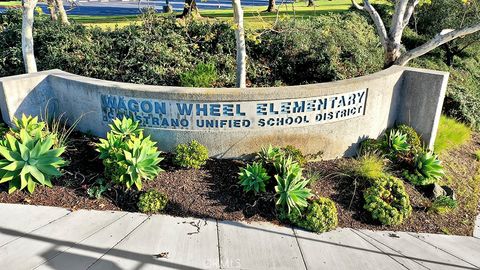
[241, 79]
[62, 12]
[272, 6]
[28, 8]
[52, 9]
[189, 8]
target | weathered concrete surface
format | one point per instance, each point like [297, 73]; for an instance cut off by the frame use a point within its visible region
[395, 95]
[118, 240]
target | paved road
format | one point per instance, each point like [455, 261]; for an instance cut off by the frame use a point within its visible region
[36, 237]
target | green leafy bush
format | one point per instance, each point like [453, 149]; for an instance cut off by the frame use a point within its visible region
[320, 216]
[295, 154]
[387, 201]
[29, 160]
[370, 146]
[128, 156]
[152, 201]
[204, 75]
[191, 155]
[413, 139]
[291, 190]
[368, 166]
[254, 178]
[428, 169]
[443, 205]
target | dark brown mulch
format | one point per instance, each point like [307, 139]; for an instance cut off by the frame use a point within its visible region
[213, 192]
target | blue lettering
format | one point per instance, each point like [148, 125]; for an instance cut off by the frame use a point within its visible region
[133, 105]
[184, 109]
[146, 106]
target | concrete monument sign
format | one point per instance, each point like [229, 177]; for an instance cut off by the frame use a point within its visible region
[329, 117]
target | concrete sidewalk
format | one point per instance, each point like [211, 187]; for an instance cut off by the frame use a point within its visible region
[38, 237]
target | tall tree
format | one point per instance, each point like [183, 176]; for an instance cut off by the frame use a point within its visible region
[241, 48]
[28, 9]
[392, 40]
[61, 12]
[272, 6]
[52, 8]
[189, 8]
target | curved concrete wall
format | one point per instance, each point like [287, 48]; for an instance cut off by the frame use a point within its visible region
[329, 117]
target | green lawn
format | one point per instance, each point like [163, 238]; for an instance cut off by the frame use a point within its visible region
[10, 3]
[255, 17]
[451, 134]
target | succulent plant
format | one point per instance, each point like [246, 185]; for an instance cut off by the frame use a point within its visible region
[29, 160]
[152, 201]
[292, 191]
[254, 178]
[191, 155]
[428, 164]
[397, 142]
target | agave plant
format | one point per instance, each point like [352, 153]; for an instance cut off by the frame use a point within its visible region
[30, 124]
[284, 165]
[269, 155]
[397, 142]
[139, 161]
[29, 160]
[254, 178]
[429, 166]
[125, 127]
[292, 191]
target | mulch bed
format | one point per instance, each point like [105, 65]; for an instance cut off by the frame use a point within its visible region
[213, 192]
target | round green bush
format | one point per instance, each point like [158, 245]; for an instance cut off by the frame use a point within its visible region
[320, 216]
[152, 201]
[413, 139]
[387, 201]
[191, 155]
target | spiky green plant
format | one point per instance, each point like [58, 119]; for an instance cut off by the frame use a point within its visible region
[284, 165]
[32, 125]
[29, 160]
[268, 155]
[254, 178]
[292, 191]
[128, 156]
[125, 127]
[397, 142]
[429, 165]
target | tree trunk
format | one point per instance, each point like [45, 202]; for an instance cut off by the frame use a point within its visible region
[189, 8]
[62, 12]
[272, 6]
[241, 48]
[310, 3]
[28, 7]
[53, 10]
[392, 53]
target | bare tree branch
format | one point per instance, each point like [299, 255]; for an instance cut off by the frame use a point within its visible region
[357, 6]
[379, 25]
[435, 42]
[412, 4]
[398, 17]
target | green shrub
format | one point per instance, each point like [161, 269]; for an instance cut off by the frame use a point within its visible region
[128, 156]
[451, 134]
[295, 154]
[370, 146]
[96, 190]
[191, 155]
[292, 193]
[320, 216]
[428, 169]
[477, 155]
[204, 75]
[443, 205]
[254, 178]
[29, 160]
[413, 139]
[368, 166]
[152, 201]
[387, 201]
